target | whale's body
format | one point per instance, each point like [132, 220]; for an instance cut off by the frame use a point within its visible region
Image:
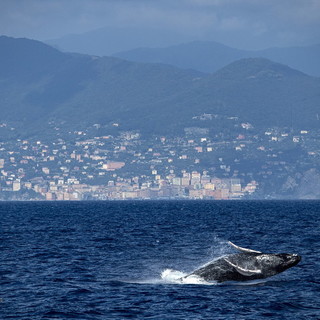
[246, 265]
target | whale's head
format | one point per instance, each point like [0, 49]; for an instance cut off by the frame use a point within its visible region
[272, 264]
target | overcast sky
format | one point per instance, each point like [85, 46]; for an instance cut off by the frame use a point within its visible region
[245, 24]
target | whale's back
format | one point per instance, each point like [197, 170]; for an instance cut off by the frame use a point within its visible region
[220, 270]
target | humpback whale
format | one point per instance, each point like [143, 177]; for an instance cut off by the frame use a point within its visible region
[246, 265]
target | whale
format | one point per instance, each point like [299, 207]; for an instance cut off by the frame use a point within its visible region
[245, 265]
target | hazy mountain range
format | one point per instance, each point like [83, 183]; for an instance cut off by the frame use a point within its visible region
[39, 83]
[211, 56]
[106, 41]
[159, 46]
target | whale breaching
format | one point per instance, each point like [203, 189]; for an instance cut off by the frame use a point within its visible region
[246, 265]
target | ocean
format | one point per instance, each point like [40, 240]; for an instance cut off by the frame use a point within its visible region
[121, 260]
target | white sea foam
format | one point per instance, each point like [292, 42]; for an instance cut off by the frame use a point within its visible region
[170, 276]
[178, 277]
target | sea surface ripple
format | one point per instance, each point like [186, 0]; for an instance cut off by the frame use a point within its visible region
[111, 260]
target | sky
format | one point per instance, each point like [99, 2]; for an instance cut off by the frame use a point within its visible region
[243, 24]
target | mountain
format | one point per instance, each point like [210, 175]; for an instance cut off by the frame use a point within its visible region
[203, 56]
[267, 93]
[108, 40]
[158, 45]
[257, 90]
[211, 56]
[27, 60]
[39, 84]
[305, 59]
[35, 78]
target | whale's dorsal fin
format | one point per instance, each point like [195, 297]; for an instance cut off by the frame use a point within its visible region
[243, 249]
[244, 272]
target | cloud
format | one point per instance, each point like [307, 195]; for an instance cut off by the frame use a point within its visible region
[235, 22]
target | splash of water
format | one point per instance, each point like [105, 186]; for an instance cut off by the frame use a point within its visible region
[218, 249]
[178, 277]
[170, 276]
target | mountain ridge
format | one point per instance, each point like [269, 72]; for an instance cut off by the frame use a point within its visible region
[209, 56]
[152, 98]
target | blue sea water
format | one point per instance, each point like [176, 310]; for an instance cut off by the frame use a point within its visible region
[104, 260]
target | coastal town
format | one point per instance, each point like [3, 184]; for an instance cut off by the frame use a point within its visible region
[90, 164]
